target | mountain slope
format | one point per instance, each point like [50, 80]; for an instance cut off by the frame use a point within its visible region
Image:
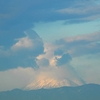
[51, 83]
[85, 92]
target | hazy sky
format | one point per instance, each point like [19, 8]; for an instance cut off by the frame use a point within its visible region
[54, 40]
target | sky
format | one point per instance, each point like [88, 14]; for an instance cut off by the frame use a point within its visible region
[49, 43]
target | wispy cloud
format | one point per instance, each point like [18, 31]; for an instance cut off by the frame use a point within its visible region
[79, 9]
[81, 45]
[82, 12]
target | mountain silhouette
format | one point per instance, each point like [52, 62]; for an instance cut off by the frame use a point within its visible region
[84, 92]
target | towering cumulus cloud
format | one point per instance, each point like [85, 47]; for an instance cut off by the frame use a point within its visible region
[54, 71]
[23, 52]
[53, 68]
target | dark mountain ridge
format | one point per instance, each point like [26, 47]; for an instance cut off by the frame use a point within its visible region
[84, 92]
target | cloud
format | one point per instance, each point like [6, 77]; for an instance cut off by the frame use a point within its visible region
[87, 67]
[15, 78]
[47, 75]
[42, 62]
[65, 58]
[58, 52]
[51, 77]
[44, 77]
[23, 43]
[29, 42]
[74, 21]
[49, 49]
[18, 16]
[83, 11]
[7, 38]
[54, 64]
[54, 71]
[23, 52]
[80, 9]
[81, 44]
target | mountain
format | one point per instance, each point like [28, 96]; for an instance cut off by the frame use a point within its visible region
[84, 92]
[51, 83]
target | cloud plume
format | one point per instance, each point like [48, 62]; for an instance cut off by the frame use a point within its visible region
[54, 71]
[51, 72]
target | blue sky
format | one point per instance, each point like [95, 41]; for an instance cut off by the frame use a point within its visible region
[62, 30]
[59, 39]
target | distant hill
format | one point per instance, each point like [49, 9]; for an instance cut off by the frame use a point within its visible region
[85, 92]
